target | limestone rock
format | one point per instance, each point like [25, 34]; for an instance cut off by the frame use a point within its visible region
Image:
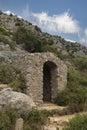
[16, 100]
[4, 46]
[49, 128]
[19, 124]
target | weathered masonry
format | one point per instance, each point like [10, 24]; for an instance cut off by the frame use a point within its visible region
[45, 73]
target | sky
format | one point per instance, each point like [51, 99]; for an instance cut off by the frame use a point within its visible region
[65, 18]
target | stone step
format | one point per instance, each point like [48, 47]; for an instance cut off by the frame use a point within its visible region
[50, 106]
[2, 86]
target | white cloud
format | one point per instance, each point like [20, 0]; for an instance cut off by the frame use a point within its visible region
[62, 23]
[8, 12]
[19, 17]
[69, 40]
[55, 24]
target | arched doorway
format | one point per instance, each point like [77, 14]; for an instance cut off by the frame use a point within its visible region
[49, 81]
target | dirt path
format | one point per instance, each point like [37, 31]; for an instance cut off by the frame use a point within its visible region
[56, 121]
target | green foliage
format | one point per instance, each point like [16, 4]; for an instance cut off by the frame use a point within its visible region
[6, 37]
[35, 118]
[37, 29]
[30, 41]
[4, 31]
[76, 78]
[8, 118]
[26, 38]
[18, 22]
[80, 63]
[49, 48]
[13, 77]
[79, 122]
[62, 98]
[75, 95]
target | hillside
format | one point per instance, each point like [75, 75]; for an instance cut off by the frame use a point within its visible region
[27, 67]
[11, 24]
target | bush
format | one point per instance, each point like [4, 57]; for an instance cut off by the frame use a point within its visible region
[75, 107]
[18, 24]
[6, 37]
[75, 95]
[13, 77]
[8, 119]
[79, 122]
[49, 48]
[37, 29]
[62, 98]
[35, 119]
[30, 41]
[80, 63]
[4, 31]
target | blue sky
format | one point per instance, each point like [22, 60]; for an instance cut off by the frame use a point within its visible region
[66, 18]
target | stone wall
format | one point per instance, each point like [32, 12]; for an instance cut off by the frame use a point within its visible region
[32, 65]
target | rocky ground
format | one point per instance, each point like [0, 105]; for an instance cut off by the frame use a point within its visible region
[55, 122]
[10, 24]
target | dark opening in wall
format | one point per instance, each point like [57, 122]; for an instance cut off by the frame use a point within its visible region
[49, 81]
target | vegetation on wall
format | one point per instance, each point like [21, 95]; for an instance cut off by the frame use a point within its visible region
[75, 95]
[13, 77]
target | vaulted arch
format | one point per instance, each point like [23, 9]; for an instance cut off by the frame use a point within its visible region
[50, 81]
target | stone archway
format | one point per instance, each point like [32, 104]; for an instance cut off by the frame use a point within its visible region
[50, 81]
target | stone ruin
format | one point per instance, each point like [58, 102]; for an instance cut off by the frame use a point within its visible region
[45, 73]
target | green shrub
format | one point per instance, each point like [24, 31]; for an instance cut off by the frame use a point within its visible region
[28, 40]
[62, 98]
[75, 95]
[18, 24]
[49, 48]
[4, 31]
[6, 41]
[31, 42]
[80, 63]
[8, 118]
[79, 122]
[37, 29]
[6, 37]
[36, 116]
[34, 119]
[13, 77]
[75, 107]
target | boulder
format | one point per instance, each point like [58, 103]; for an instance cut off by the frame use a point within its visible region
[21, 102]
